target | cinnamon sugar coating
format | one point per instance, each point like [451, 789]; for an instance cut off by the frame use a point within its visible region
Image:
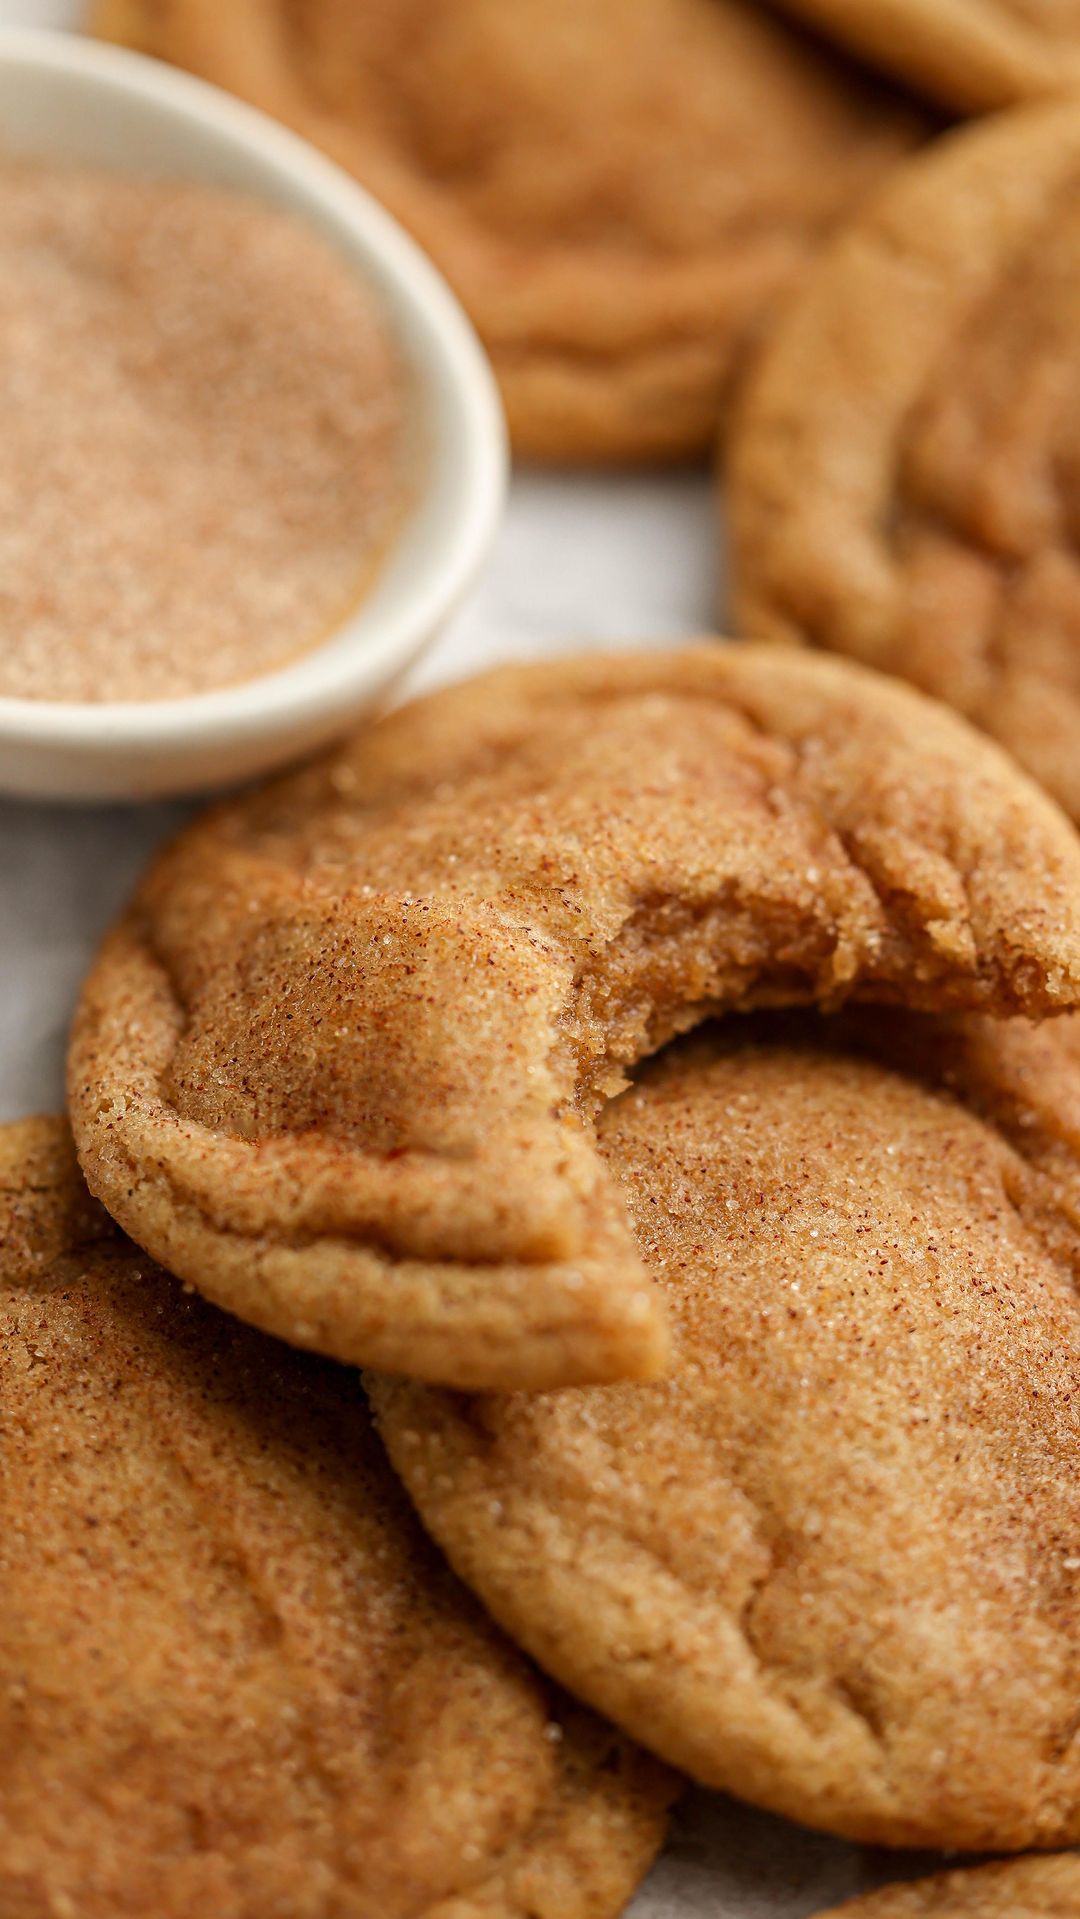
[903, 478]
[832, 1562]
[1019, 1889]
[204, 452]
[235, 1678]
[339, 1063]
[618, 191]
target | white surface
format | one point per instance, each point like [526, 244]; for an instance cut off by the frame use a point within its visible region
[599, 561]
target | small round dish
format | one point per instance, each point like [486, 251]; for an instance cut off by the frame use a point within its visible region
[71, 100]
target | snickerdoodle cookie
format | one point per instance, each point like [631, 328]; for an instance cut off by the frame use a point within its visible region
[234, 1676]
[903, 480]
[1019, 1889]
[967, 53]
[338, 1064]
[618, 190]
[832, 1562]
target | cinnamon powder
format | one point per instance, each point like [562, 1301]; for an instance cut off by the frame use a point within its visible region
[202, 437]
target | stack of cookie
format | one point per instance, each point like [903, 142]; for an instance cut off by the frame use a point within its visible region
[645, 1069]
[581, 1283]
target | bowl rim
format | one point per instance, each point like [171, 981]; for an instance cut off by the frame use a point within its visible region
[439, 344]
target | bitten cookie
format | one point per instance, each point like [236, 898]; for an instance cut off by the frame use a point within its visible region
[339, 1064]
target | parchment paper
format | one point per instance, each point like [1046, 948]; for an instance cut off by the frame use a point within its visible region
[580, 560]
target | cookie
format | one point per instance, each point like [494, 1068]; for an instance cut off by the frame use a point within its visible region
[971, 54]
[234, 1676]
[618, 195]
[338, 1064]
[832, 1563]
[901, 485]
[1018, 1889]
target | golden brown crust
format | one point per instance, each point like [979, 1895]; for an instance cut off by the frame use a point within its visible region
[832, 1564]
[617, 196]
[338, 1065]
[973, 54]
[234, 1676]
[901, 478]
[1017, 1889]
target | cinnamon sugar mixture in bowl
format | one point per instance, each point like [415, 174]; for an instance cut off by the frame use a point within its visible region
[204, 451]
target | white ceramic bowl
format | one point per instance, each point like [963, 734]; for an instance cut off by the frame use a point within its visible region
[72, 100]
